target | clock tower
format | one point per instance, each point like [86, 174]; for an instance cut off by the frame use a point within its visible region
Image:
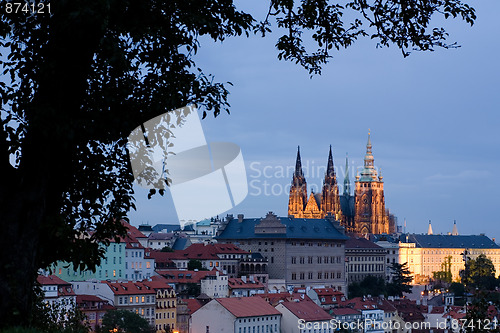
[370, 214]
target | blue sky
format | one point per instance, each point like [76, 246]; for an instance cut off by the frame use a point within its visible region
[433, 117]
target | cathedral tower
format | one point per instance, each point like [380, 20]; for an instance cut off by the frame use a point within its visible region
[370, 214]
[298, 191]
[330, 201]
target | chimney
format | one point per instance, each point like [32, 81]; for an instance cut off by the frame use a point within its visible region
[240, 218]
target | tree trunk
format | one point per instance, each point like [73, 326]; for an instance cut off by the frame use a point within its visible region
[21, 214]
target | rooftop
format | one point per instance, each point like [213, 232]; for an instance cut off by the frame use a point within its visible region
[291, 228]
[451, 241]
[247, 306]
[129, 288]
[307, 310]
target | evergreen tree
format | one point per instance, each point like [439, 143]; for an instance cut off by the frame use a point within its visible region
[401, 280]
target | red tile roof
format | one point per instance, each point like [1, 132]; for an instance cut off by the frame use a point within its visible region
[237, 283]
[360, 243]
[437, 309]
[129, 288]
[133, 231]
[89, 298]
[307, 310]
[345, 312]
[385, 305]
[157, 283]
[50, 280]
[359, 304]
[204, 252]
[247, 306]
[192, 304]
[455, 315]
[275, 298]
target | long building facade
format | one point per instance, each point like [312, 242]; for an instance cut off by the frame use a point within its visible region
[363, 212]
[302, 252]
[426, 253]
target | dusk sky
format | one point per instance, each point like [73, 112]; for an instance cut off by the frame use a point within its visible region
[434, 119]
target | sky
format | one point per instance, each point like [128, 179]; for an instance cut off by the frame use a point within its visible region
[433, 116]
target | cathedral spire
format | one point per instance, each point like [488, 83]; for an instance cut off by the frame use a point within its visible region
[298, 165]
[369, 155]
[347, 182]
[330, 172]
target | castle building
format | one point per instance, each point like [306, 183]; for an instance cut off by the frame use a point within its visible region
[363, 212]
[300, 252]
[426, 253]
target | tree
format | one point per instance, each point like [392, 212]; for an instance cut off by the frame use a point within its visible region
[55, 317]
[480, 273]
[167, 249]
[125, 322]
[444, 275]
[401, 280]
[195, 264]
[78, 80]
[370, 285]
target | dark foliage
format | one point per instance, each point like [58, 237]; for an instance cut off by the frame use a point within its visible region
[124, 322]
[370, 285]
[401, 280]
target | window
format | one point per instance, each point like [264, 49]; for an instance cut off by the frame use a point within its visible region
[309, 260]
[142, 299]
[301, 260]
[310, 275]
[326, 260]
[320, 275]
[114, 272]
[148, 264]
[131, 300]
[294, 260]
[339, 275]
[294, 276]
[319, 260]
[302, 276]
[137, 299]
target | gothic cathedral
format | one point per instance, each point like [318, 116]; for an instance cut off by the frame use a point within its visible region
[364, 212]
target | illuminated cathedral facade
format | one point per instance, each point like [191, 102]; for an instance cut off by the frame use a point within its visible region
[362, 212]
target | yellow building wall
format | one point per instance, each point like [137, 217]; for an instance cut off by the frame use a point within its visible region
[422, 262]
[166, 310]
